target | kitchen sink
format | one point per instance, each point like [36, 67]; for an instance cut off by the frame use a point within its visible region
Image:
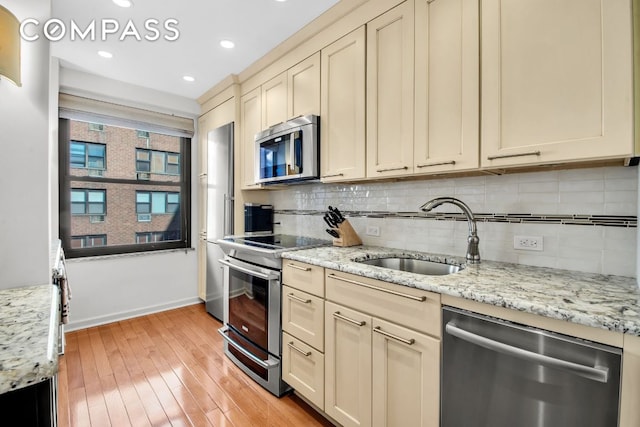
[419, 266]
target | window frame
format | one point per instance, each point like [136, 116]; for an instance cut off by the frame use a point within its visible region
[87, 202]
[165, 162]
[183, 187]
[86, 155]
[85, 237]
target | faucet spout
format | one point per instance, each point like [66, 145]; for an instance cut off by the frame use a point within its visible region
[473, 252]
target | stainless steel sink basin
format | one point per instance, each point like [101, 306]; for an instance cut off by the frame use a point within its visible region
[419, 266]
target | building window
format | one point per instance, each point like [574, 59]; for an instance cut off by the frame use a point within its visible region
[157, 202]
[157, 162]
[87, 155]
[143, 215]
[154, 236]
[89, 241]
[88, 202]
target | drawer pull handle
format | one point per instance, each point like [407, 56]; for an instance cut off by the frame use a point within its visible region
[506, 156]
[333, 175]
[389, 291]
[299, 268]
[402, 168]
[302, 352]
[409, 341]
[337, 315]
[297, 298]
[427, 165]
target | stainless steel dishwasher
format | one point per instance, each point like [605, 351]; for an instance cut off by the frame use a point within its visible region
[497, 373]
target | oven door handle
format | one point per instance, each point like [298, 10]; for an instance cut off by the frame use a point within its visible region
[248, 271]
[265, 364]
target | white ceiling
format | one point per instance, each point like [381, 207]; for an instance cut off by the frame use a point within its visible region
[256, 27]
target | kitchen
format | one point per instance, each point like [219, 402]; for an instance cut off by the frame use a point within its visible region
[556, 200]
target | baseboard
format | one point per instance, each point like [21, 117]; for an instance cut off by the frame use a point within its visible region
[123, 315]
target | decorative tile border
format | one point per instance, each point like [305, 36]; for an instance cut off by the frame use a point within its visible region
[524, 218]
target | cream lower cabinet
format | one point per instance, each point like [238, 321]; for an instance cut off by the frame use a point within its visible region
[303, 330]
[406, 377]
[378, 372]
[556, 81]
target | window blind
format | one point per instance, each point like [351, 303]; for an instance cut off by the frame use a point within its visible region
[93, 111]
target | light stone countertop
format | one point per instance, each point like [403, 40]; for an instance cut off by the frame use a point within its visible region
[607, 302]
[29, 322]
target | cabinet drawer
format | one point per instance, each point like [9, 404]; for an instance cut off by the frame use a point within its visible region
[410, 307]
[303, 369]
[303, 316]
[305, 277]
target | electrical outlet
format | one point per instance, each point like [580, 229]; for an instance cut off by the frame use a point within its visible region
[372, 230]
[528, 243]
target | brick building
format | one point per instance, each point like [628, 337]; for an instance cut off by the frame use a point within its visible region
[126, 201]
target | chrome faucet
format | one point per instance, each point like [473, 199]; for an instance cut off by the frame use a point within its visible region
[473, 253]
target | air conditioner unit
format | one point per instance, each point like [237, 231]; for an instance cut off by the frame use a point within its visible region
[96, 218]
[96, 172]
[144, 217]
[143, 176]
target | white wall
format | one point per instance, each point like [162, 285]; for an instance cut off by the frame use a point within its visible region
[595, 191]
[106, 289]
[24, 163]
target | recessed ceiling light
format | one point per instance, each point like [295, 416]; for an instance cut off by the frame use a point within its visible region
[123, 3]
[281, 1]
[188, 79]
[227, 44]
[105, 54]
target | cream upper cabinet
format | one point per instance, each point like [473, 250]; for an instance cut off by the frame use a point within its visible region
[293, 93]
[303, 83]
[250, 124]
[406, 377]
[347, 366]
[447, 134]
[274, 101]
[342, 117]
[556, 81]
[390, 71]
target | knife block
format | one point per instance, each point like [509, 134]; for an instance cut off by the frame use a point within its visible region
[348, 236]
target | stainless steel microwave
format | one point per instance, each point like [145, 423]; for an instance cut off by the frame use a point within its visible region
[288, 151]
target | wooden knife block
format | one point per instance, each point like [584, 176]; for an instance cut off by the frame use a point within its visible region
[348, 236]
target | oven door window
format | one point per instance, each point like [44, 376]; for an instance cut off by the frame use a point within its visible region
[248, 306]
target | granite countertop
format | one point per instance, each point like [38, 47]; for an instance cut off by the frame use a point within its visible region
[29, 322]
[607, 302]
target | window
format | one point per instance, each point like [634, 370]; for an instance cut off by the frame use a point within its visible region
[89, 241]
[153, 236]
[87, 155]
[157, 162]
[143, 215]
[88, 202]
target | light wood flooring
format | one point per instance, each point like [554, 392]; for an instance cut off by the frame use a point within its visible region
[165, 369]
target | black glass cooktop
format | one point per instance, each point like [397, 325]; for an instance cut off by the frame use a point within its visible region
[277, 241]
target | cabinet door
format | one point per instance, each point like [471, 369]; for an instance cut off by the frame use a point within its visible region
[347, 366]
[250, 124]
[406, 377]
[303, 84]
[390, 86]
[274, 101]
[303, 316]
[447, 134]
[556, 81]
[342, 117]
[203, 131]
[629, 410]
[303, 369]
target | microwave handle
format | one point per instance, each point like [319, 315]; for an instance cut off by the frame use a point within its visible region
[292, 152]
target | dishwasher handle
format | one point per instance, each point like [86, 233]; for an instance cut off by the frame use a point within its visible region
[597, 373]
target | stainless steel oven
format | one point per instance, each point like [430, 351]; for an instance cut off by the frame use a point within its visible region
[252, 271]
[252, 327]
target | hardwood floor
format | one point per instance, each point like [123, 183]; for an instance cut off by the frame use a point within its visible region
[165, 369]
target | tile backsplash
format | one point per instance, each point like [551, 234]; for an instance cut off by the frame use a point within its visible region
[587, 217]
